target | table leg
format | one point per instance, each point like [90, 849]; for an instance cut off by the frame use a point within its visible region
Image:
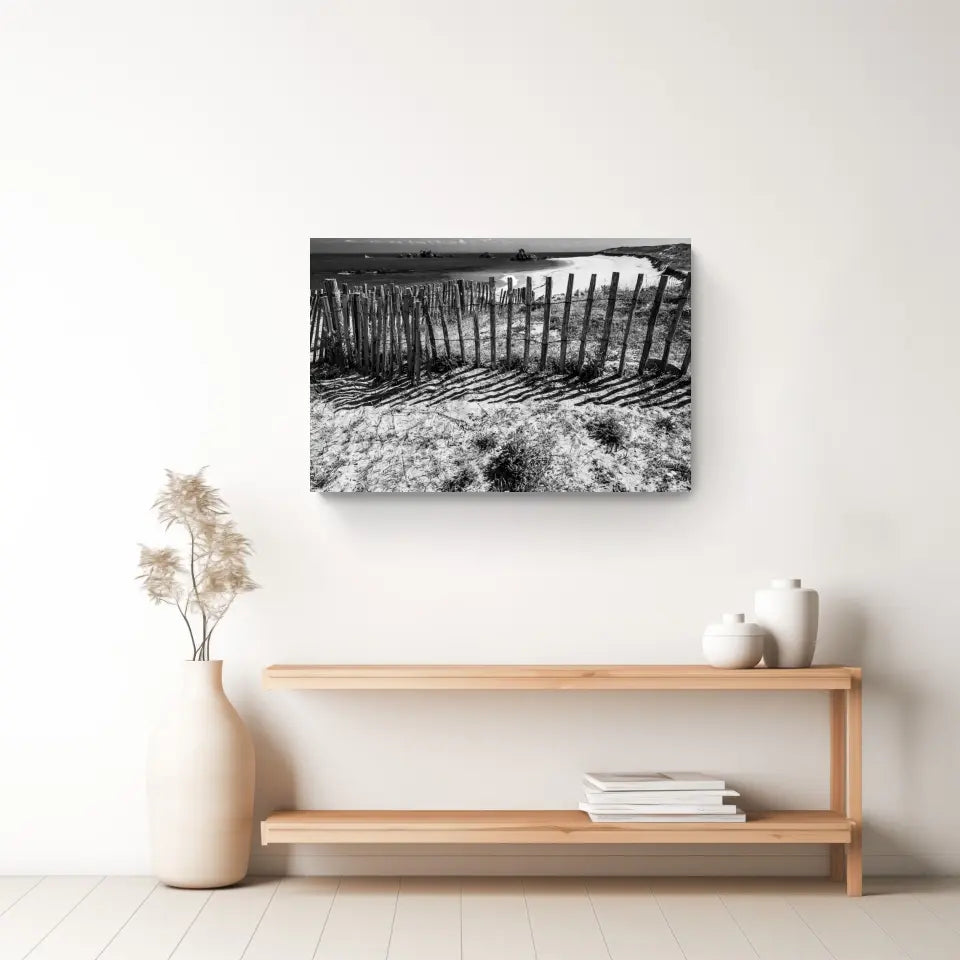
[855, 786]
[838, 773]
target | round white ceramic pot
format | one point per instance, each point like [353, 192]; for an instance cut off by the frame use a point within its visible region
[733, 644]
[790, 614]
[200, 779]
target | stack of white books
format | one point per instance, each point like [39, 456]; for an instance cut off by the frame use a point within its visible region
[659, 798]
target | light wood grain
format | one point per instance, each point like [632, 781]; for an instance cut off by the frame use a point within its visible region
[854, 850]
[838, 772]
[842, 825]
[541, 826]
[535, 677]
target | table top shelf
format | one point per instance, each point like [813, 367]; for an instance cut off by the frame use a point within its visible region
[542, 826]
[551, 677]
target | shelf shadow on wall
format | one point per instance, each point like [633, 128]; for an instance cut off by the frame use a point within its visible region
[848, 636]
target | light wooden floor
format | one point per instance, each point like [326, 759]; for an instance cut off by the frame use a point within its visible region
[133, 918]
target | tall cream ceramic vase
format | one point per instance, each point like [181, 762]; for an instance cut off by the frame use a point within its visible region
[790, 614]
[200, 778]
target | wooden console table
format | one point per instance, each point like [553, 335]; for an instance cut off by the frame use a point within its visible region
[840, 826]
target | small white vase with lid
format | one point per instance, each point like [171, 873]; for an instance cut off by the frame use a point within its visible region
[733, 644]
[790, 613]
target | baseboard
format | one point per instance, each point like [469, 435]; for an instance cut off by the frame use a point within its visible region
[809, 863]
[297, 863]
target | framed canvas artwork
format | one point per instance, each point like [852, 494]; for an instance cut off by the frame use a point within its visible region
[464, 365]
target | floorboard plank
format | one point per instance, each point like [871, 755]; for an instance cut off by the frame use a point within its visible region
[562, 920]
[154, 931]
[494, 920]
[92, 924]
[427, 924]
[35, 914]
[291, 927]
[360, 920]
[632, 923]
[918, 931]
[701, 923]
[775, 930]
[941, 896]
[849, 934]
[13, 888]
[226, 922]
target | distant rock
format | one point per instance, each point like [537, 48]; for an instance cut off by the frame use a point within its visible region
[523, 255]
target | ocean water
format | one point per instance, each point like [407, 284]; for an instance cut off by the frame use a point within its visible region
[357, 268]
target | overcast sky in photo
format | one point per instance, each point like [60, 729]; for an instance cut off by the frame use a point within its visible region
[361, 245]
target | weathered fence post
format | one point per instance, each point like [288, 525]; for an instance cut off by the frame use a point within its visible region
[391, 351]
[629, 323]
[652, 322]
[608, 319]
[314, 320]
[418, 343]
[443, 326]
[406, 305]
[429, 325]
[333, 301]
[674, 322]
[545, 339]
[382, 333]
[373, 312]
[352, 330]
[357, 326]
[528, 319]
[476, 335]
[366, 306]
[397, 327]
[509, 321]
[459, 308]
[565, 323]
[587, 309]
[493, 322]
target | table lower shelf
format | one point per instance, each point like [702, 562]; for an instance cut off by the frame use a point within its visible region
[542, 826]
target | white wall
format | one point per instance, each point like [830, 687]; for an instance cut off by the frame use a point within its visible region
[163, 166]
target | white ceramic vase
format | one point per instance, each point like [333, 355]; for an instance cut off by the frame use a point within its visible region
[200, 779]
[790, 615]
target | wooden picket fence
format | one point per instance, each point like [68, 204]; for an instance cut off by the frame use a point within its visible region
[389, 330]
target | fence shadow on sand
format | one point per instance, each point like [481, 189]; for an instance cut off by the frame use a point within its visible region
[485, 385]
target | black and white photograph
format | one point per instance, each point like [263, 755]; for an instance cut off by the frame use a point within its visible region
[463, 365]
